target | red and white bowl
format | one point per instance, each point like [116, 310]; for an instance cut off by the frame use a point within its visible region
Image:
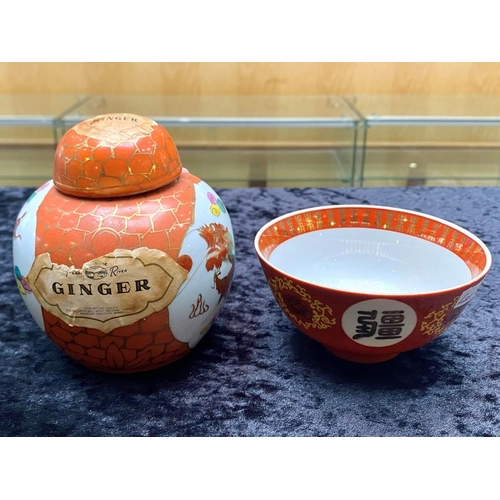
[370, 282]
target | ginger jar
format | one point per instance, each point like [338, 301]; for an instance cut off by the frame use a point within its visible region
[124, 259]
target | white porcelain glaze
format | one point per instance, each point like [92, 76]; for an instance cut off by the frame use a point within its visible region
[370, 260]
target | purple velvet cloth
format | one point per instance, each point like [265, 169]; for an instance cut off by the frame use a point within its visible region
[254, 374]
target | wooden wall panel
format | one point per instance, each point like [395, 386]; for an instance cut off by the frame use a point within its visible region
[251, 78]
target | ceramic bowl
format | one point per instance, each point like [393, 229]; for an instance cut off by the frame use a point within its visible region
[370, 282]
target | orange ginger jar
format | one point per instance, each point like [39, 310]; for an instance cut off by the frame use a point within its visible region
[124, 259]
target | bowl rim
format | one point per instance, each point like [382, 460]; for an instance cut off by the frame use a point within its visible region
[468, 284]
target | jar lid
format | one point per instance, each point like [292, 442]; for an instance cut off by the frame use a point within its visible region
[112, 155]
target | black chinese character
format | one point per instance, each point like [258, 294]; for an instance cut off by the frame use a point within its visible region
[367, 324]
[392, 325]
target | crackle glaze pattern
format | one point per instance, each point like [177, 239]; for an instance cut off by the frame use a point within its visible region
[119, 154]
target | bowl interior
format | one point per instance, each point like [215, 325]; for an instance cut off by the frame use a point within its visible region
[372, 250]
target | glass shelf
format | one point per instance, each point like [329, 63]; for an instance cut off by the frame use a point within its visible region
[217, 111]
[248, 140]
[26, 165]
[431, 140]
[271, 168]
[28, 135]
[32, 118]
[396, 109]
[369, 140]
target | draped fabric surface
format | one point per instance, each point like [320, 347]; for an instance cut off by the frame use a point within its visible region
[254, 374]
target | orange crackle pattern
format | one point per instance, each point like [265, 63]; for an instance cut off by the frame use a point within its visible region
[147, 343]
[115, 166]
[75, 230]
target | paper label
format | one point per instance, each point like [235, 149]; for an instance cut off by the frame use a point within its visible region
[114, 290]
[116, 127]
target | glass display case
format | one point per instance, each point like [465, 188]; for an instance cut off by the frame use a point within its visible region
[28, 135]
[431, 140]
[280, 141]
[248, 140]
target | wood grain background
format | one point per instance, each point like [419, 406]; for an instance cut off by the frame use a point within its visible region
[233, 79]
[135, 78]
